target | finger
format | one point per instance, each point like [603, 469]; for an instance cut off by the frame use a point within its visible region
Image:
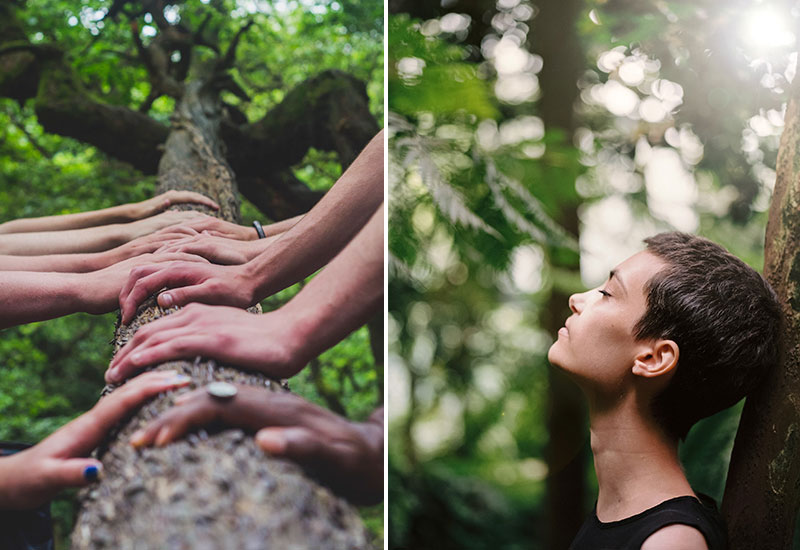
[144, 282]
[179, 257]
[84, 433]
[136, 357]
[180, 296]
[136, 274]
[191, 197]
[184, 230]
[296, 443]
[181, 346]
[75, 472]
[191, 414]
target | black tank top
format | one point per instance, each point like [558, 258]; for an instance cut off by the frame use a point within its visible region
[630, 533]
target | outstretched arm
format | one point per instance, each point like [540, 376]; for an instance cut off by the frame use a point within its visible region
[29, 296]
[90, 239]
[337, 301]
[92, 261]
[122, 213]
[347, 456]
[326, 229]
[304, 248]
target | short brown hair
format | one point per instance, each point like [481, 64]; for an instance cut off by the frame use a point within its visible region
[725, 318]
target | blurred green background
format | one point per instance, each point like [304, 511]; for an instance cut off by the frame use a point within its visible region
[533, 144]
[52, 371]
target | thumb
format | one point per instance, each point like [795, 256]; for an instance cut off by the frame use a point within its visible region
[77, 472]
[179, 296]
[297, 443]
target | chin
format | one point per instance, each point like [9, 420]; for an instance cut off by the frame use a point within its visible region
[552, 355]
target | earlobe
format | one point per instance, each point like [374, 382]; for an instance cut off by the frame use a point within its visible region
[658, 359]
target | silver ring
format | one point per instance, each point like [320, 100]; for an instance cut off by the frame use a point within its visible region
[221, 390]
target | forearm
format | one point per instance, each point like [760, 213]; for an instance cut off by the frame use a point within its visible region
[327, 228]
[345, 295]
[59, 263]
[26, 296]
[80, 220]
[282, 226]
[93, 239]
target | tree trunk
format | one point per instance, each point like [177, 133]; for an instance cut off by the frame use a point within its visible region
[762, 491]
[216, 489]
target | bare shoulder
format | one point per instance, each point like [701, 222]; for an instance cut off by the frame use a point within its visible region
[676, 536]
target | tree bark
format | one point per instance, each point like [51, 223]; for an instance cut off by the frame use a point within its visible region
[762, 492]
[216, 489]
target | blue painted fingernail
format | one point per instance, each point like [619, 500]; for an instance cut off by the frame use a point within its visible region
[91, 473]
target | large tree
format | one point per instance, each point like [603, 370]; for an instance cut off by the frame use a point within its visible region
[762, 494]
[215, 491]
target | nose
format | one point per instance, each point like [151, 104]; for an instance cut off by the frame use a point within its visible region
[576, 303]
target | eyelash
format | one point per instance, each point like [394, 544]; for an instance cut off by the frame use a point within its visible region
[604, 293]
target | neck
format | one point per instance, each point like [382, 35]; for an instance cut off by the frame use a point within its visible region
[636, 462]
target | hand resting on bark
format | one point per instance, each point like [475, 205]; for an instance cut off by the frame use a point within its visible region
[32, 477]
[304, 246]
[334, 303]
[123, 213]
[346, 456]
[36, 296]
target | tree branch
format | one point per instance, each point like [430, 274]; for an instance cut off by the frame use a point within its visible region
[230, 55]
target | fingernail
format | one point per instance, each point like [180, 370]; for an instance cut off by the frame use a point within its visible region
[135, 357]
[111, 375]
[91, 473]
[162, 436]
[179, 379]
[137, 439]
[272, 442]
[165, 299]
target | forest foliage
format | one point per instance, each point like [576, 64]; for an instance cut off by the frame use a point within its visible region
[52, 371]
[677, 121]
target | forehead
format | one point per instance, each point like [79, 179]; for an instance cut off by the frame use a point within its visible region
[637, 270]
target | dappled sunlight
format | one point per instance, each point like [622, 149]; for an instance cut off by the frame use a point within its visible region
[671, 190]
[442, 426]
[765, 28]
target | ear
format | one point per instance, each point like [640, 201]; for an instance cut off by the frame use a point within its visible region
[659, 358]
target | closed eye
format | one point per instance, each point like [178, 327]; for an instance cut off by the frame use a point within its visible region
[604, 293]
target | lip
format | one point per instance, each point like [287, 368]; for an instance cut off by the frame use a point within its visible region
[563, 331]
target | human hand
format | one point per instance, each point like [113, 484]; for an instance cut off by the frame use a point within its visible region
[218, 250]
[159, 203]
[98, 291]
[269, 343]
[154, 242]
[33, 476]
[152, 224]
[221, 228]
[346, 456]
[210, 284]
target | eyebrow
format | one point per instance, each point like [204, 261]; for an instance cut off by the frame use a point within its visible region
[614, 274]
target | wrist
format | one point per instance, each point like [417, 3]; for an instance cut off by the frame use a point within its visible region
[302, 339]
[96, 261]
[118, 234]
[126, 213]
[88, 292]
